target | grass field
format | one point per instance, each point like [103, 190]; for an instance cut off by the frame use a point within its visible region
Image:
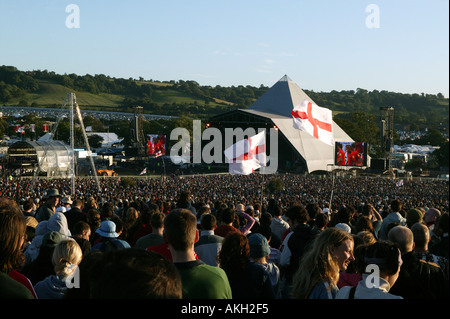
[52, 94]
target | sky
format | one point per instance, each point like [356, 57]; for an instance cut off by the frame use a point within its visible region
[399, 46]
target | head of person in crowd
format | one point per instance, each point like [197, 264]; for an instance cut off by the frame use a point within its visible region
[403, 237]
[208, 222]
[396, 205]
[227, 216]
[431, 215]
[414, 215]
[52, 197]
[180, 233]
[385, 256]
[66, 257]
[331, 253]
[12, 232]
[235, 254]
[138, 274]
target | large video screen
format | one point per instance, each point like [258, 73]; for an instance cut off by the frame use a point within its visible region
[156, 145]
[350, 154]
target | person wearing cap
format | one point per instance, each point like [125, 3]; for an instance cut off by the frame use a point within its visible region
[47, 209]
[247, 279]
[259, 254]
[109, 240]
[66, 201]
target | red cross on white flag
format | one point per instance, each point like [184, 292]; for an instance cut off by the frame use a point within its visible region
[247, 155]
[315, 120]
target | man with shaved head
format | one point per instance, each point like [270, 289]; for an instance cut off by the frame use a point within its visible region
[418, 279]
[421, 240]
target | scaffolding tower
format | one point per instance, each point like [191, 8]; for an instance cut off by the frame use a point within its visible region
[70, 100]
[387, 134]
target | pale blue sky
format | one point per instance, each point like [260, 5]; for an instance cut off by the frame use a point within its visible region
[321, 45]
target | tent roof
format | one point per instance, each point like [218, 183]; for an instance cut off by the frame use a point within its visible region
[277, 104]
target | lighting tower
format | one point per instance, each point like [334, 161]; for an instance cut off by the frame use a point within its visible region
[387, 134]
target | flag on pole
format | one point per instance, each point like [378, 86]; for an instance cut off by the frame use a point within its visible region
[399, 183]
[316, 120]
[158, 154]
[247, 155]
[144, 171]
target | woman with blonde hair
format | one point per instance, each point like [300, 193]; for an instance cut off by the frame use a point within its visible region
[66, 258]
[318, 272]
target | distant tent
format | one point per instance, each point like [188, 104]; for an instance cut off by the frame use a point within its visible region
[53, 157]
[274, 107]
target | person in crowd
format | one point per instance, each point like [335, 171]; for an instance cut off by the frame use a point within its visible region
[368, 210]
[422, 238]
[82, 233]
[156, 236]
[42, 266]
[12, 231]
[75, 214]
[295, 244]
[66, 258]
[248, 221]
[247, 279]
[321, 223]
[142, 226]
[109, 237]
[46, 210]
[318, 272]
[208, 246]
[278, 225]
[199, 280]
[225, 227]
[137, 273]
[430, 217]
[381, 266]
[185, 201]
[414, 215]
[259, 254]
[94, 221]
[441, 247]
[57, 222]
[418, 279]
[393, 217]
[65, 205]
[28, 208]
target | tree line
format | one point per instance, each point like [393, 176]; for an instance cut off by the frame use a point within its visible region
[427, 110]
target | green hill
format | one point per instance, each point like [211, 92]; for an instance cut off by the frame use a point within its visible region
[101, 92]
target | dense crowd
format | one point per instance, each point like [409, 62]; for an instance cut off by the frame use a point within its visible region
[223, 237]
[248, 189]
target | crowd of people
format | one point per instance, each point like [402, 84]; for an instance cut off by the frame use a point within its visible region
[224, 237]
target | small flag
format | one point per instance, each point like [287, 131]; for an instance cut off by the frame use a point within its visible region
[399, 183]
[158, 154]
[144, 171]
[247, 155]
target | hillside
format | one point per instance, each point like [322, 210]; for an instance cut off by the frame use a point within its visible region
[101, 92]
